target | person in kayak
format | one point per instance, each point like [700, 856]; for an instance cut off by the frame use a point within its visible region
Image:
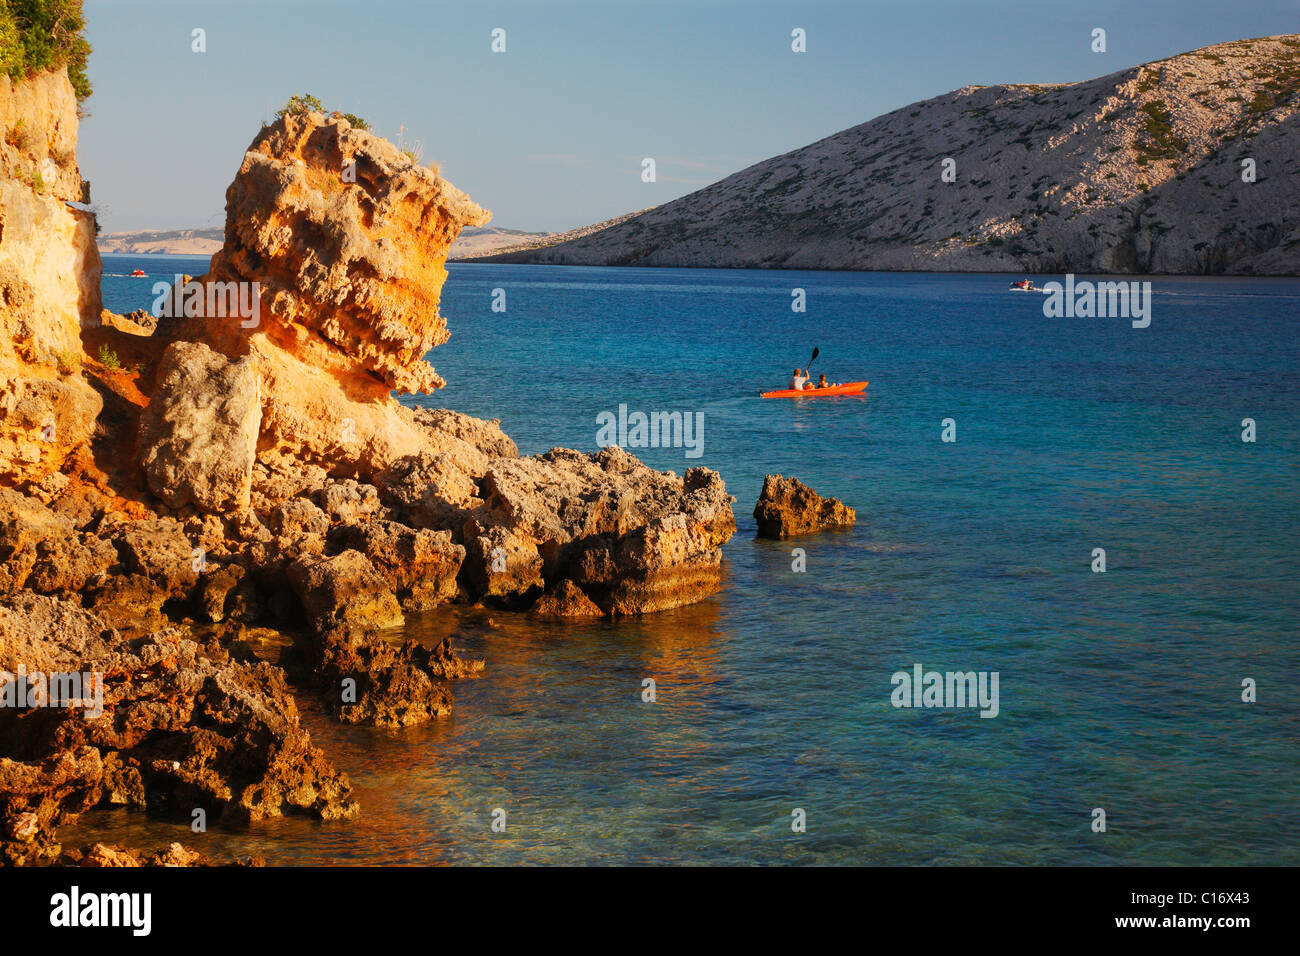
[798, 380]
[822, 383]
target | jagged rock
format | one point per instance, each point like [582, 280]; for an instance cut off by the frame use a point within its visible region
[41, 549]
[368, 680]
[176, 854]
[502, 563]
[178, 730]
[633, 539]
[344, 590]
[298, 518]
[42, 421]
[36, 796]
[788, 507]
[430, 490]
[157, 564]
[419, 566]
[365, 678]
[138, 322]
[349, 501]
[445, 662]
[215, 588]
[103, 855]
[486, 436]
[198, 435]
[566, 599]
[111, 855]
[348, 317]
[273, 487]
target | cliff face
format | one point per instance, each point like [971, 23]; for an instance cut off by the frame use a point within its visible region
[49, 278]
[1138, 171]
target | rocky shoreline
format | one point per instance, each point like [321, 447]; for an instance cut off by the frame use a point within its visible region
[170, 488]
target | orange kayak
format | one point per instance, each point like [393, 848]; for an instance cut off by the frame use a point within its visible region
[848, 388]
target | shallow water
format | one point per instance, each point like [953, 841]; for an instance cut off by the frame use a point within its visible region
[1118, 690]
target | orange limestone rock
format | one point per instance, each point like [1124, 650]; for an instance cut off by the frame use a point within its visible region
[338, 241]
[49, 280]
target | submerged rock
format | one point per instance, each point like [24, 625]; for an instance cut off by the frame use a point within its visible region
[787, 507]
[110, 855]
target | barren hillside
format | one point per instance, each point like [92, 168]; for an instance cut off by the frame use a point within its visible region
[1137, 171]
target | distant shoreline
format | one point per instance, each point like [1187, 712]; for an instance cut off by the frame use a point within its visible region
[473, 242]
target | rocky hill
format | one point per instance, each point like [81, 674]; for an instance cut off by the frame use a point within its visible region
[511, 241]
[1137, 171]
[177, 242]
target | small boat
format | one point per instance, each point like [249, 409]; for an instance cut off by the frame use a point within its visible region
[1024, 285]
[847, 388]
[139, 274]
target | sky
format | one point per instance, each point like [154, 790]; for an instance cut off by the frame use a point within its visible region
[551, 133]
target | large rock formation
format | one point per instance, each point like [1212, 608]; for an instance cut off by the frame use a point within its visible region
[49, 278]
[346, 238]
[1137, 171]
[787, 507]
[251, 466]
[632, 539]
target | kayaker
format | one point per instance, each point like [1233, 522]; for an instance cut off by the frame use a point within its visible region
[822, 383]
[798, 380]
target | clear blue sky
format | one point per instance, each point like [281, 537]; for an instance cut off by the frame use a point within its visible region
[550, 134]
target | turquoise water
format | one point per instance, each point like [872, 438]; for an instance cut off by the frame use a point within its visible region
[1118, 690]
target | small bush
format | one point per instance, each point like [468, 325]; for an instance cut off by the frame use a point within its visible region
[21, 136]
[299, 104]
[302, 103]
[38, 35]
[413, 149]
[108, 358]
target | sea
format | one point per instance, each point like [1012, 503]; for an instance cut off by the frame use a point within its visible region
[1147, 713]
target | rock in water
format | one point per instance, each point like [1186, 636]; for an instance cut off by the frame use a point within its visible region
[198, 434]
[160, 724]
[788, 507]
[566, 600]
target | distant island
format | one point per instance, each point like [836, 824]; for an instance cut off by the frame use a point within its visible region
[472, 243]
[1185, 165]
